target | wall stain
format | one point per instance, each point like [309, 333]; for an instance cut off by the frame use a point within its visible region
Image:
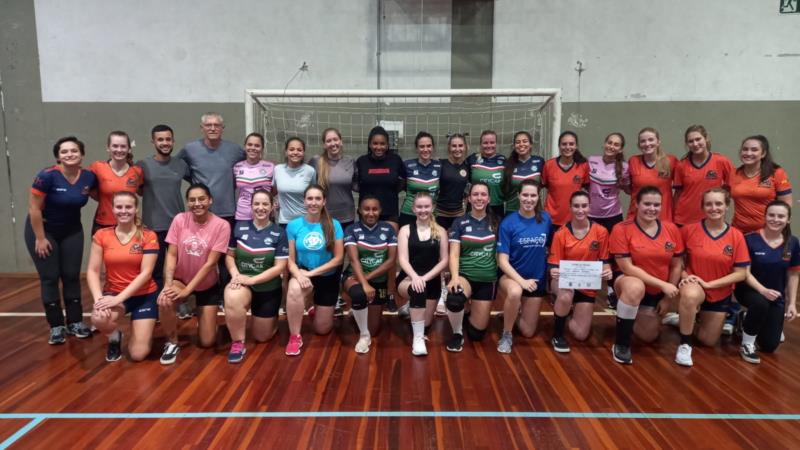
[788, 55]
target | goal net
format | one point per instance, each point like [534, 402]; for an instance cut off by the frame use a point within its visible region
[279, 114]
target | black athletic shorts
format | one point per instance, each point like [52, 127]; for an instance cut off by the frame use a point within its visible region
[580, 297]
[326, 288]
[265, 304]
[482, 290]
[718, 306]
[209, 297]
[433, 288]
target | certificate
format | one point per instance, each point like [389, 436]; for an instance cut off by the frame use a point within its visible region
[580, 274]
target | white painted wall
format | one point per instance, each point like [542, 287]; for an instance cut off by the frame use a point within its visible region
[649, 50]
[210, 51]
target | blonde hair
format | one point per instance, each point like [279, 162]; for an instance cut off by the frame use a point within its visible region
[323, 163]
[662, 160]
[437, 232]
[137, 221]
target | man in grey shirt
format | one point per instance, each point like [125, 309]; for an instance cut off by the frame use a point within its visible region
[211, 161]
[161, 191]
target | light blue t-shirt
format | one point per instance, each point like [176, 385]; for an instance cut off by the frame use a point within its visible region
[525, 243]
[309, 242]
[291, 183]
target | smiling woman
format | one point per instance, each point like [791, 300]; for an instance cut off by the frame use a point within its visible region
[114, 175]
[291, 180]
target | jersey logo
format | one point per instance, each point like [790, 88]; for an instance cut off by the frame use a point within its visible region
[59, 189]
[136, 249]
[195, 246]
[468, 229]
[85, 190]
[711, 175]
[416, 172]
[361, 237]
[268, 241]
[728, 250]
[383, 237]
[378, 171]
[594, 246]
[669, 247]
[497, 176]
[131, 181]
[274, 234]
[434, 173]
[313, 241]
[243, 228]
[463, 173]
[262, 172]
[245, 236]
[577, 179]
[766, 183]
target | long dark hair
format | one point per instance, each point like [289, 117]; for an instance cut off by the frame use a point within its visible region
[378, 130]
[324, 219]
[699, 129]
[511, 163]
[787, 230]
[619, 157]
[537, 210]
[768, 166]
[577, 156]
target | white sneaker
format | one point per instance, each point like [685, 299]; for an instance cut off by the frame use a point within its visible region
[441, 309]
[671, 319]
[684, 355]
[362, 346]
[418, 347]
[404, 311]
[727, 329]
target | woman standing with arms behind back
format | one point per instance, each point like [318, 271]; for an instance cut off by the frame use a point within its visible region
[54, 236]
[652, 168]
[562, 176]
[335, 173]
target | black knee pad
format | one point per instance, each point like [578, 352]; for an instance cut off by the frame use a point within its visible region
[473, 333]
[358, 298]
[455, 302]
[416, 299]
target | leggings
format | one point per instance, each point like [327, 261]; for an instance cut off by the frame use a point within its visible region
[764, 318]
[63, 264]
[158, 270]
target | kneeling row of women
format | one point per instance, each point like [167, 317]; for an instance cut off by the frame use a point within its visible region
[648, 253]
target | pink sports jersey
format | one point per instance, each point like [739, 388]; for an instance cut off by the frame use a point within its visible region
[248, 179]
[603, 189]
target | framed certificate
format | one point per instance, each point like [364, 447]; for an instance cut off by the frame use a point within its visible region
[580, 274]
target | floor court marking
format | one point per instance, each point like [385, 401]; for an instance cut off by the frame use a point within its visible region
[21, 432]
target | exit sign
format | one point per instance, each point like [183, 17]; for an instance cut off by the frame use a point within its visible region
[790, 7]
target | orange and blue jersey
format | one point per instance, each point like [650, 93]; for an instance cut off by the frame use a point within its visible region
[712, 258]
[770, 265]
[643, 174]
[653, 254]
[108, 184]
[751, 196]
[123, 262]
[560, 184]
[63, 200]
[693, 181]
[592, 247]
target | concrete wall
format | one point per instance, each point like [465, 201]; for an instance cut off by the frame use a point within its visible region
[86, 67]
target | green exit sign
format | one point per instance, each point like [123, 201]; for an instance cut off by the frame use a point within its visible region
[790, 7]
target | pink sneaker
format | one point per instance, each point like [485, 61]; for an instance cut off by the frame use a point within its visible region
[294, 345]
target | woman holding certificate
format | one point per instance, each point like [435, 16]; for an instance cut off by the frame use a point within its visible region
[579, 240]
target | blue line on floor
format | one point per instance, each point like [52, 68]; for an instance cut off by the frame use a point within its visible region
[21, 432]
[380, 414]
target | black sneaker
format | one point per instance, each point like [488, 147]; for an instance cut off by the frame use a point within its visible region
[455, 343]
[612, 300]
[114, 350]
[79, 330]
[560, 344]
[391, 305]
[749, 354]
[622, 354]
[58, 335]
[170, 354]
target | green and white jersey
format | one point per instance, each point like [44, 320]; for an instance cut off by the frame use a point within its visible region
[256, 250]
[420, 178]
[489, 171]
[477, 257]
[372, 245]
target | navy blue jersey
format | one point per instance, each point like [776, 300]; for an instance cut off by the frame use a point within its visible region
[477, 260]
[256, 250]
[372, 244]
[420, 178]
[452, 186]
[62, 201]
[768, 265]
[525, 243]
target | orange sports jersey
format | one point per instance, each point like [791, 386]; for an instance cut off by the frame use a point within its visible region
[593, 247]
[560, 185]
[109, 183]
[693, 181]
[124, 262]
[651, 254]
[644, 175]
[713, 258]
[751, 196]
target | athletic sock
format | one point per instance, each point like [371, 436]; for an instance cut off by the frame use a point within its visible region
[748, 339]
[626, 315]
[362, 320]
[418, 328]
[115, 336]
[686, 339]
[558, 327]
[456, 321]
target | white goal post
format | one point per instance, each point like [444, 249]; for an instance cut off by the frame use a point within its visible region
[280, 114]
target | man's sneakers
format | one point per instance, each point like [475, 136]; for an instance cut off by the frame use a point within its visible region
[79, 330]
[170, 353]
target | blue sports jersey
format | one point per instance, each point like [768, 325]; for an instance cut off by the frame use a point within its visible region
[256, 250]
[62, 201]
[768, 265]
[309, 242]
[525, 243]
[372, 245]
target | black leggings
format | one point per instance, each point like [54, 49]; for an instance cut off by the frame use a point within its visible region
[764, 318]
[63, 264]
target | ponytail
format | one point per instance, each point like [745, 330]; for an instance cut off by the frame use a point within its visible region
[323, 162]
[662, 160]
[437, 232]
[619, 157]
[325, 219]
[137, 220]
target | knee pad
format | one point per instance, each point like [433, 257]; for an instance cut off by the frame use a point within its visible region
[473, 333]
[455, 302]
[416, 299]
[358, 298]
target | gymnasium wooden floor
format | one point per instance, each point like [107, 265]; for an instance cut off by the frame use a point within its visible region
[329, 397]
